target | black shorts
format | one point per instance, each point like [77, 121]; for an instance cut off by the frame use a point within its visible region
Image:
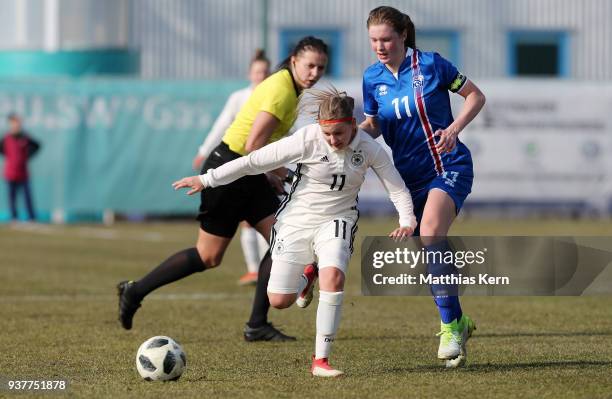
[249, 198]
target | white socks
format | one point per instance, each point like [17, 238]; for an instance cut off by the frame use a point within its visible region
[262, 246]
[250, 241]
[328, 319]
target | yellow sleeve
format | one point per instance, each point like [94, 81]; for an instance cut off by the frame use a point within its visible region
[279, 103]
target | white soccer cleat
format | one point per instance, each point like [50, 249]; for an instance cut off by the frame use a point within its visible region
[450, 340]
[321, 368]
[467, 326]
[457, 362]
[305, 297]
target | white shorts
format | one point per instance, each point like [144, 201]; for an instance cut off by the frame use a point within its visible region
[293, 248]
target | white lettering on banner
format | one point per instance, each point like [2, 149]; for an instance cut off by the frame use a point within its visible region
[162, 113]
[62, 112]
[54, 113]
[68, 112]
[103, 112]
[37, 112]
[156, 114]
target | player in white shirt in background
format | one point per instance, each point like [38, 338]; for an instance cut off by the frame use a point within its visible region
[254, 246]
[317, 221]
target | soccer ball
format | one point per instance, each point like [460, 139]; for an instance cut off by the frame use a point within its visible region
[160, 359]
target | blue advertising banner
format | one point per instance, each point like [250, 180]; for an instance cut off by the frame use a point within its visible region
[112, 144]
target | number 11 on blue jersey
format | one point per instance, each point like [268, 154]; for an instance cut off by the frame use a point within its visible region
[396, 102]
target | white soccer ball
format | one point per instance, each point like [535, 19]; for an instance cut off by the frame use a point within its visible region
[160, 359]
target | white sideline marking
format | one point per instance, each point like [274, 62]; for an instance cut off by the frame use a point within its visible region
[106, 234]
[103, 233]
[94, 297]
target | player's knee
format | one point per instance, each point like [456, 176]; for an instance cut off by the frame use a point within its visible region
[331, 279]
[281, 301]
[210, 259]
[432, 228]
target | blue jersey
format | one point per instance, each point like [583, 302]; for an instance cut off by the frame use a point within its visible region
[409, 108]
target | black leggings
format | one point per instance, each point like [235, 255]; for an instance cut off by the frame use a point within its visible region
[13, 187]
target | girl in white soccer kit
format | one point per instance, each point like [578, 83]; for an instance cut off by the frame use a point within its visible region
[254, 246]
[317, 221]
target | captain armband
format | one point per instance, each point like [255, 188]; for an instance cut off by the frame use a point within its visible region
[457, 83]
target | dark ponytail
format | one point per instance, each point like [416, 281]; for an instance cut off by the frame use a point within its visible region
[308, 43]
[410, 32]
[260, 55]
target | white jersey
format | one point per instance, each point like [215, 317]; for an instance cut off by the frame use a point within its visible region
[327, 181]
[235, 101]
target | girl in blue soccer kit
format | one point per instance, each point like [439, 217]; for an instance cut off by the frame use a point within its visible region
[406, 100]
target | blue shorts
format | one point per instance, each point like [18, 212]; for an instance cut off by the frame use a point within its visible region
[456, 183]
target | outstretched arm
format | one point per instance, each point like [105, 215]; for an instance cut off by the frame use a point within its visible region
[270, 157]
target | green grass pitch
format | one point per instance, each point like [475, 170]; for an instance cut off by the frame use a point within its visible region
[58, 321]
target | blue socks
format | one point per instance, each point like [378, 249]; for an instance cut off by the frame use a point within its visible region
[445, 295]
[449, 308]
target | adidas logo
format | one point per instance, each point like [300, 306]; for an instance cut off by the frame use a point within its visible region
[324, 159]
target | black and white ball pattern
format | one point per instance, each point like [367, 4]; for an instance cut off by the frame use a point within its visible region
[160, 359]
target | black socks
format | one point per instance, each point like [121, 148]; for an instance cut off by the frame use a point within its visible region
[176, 267]
[261, 303]
[187, 262]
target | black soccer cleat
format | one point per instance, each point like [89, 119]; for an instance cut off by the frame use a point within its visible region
[267, 332]
[127, 305]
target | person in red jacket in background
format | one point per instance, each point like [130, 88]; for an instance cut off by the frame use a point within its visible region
[17, 148]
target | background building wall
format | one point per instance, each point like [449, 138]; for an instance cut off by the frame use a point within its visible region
[65, 38]
[213, 39]
[82, 24]
[195, 39]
